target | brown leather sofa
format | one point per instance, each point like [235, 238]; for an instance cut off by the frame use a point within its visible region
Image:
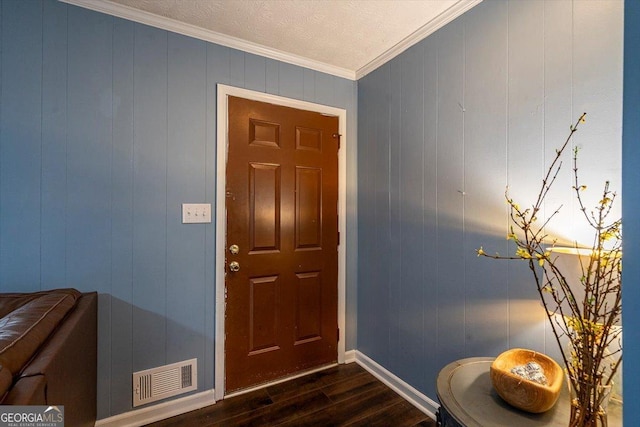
[48, 351]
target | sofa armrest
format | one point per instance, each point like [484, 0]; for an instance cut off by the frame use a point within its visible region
[68, 362]
[27, 391]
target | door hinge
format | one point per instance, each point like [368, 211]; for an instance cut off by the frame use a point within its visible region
[338, 334]
[337, 136]
[338, 238]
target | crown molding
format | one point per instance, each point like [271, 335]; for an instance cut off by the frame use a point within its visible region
[420, 34]
[157, 21]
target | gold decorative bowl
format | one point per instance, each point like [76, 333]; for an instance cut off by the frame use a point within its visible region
[520, 392]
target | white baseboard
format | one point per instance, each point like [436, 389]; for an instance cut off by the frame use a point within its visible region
[160, 411]
[186, 404]
[349, 356]
[410, 394]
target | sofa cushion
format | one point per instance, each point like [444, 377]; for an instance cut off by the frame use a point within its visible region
[12, 301]
[9, 302]
[26, 328]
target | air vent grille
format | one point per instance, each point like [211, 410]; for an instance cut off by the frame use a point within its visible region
[164, 381]
[187, 379]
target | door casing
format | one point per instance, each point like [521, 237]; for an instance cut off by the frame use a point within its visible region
[225, 91]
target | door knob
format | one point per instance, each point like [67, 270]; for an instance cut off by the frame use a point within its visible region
[234, 266]
[234, 249]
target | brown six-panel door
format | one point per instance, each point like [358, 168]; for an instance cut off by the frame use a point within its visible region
[282, 242]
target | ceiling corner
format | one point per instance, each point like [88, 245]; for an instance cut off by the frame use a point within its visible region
[420, 34]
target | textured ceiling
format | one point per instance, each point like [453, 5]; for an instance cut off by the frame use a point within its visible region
[348, 34]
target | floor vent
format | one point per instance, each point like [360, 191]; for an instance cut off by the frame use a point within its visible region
[164, 381]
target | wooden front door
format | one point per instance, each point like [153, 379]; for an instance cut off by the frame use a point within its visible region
[282, 242]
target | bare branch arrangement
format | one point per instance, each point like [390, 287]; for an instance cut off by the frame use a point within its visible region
[590, 324]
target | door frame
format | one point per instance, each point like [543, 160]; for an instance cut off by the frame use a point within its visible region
[222, 143]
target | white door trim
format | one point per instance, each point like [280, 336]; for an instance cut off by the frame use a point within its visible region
[224, 92]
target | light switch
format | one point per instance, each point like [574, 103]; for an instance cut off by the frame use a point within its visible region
[194, 213]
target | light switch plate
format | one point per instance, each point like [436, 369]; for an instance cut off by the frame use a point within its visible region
[195, 213]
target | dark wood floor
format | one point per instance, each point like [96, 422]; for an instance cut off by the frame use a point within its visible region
[345, 395]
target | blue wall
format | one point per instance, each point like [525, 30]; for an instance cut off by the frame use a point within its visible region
[443, 128]
[630, 208]
[106, 128]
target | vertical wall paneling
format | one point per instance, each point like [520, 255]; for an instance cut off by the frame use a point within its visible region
[150, 198]
[255, 72]
[365, 204]
[290, 81]
[366, 90]
[373, 206]
[428, 259]
[450, 198]
[499, 86]
[106, 128]
[122, 220]
[485, 130]
[525, 151]
[392, 251]
[218, 68]
[272, 76]
[558, 112]
[598, 27]
[236, 68]
[631, 204]
[324, 89]
[410, 234]
[186, 127]
[89, 137]
[54, 144]
[89, 149]
[380, 268]
[309, 85]
[20, 166]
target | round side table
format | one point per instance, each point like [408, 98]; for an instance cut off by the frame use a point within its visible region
[467, 399]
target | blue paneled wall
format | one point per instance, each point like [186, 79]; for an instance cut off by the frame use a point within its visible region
[631, 207]
[106, 127]
[443, 128]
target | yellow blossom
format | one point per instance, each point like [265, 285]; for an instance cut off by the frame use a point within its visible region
[607, 235]
[542, 258]
[480, 251]
[522, 253]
